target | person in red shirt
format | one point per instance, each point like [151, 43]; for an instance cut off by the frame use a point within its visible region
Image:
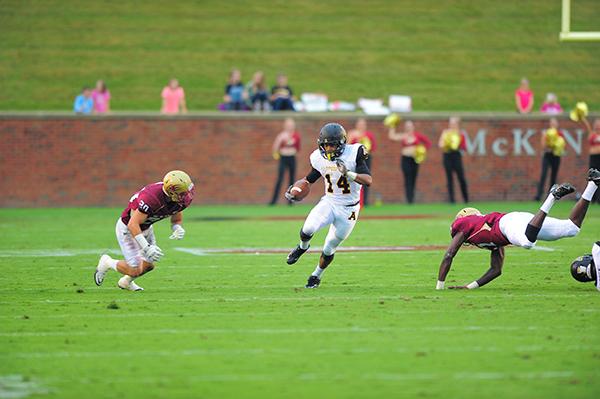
[135, 234]
[453, 142]
[524, 97]
[285, 148]
[360, 135]
[414, 148]
[594, 142]
[496, 230]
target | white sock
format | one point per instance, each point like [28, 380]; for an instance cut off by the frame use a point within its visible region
[127, 278]
[112, 263]
[318, 271]
[304, 244]
[548, 204]
[589, 191]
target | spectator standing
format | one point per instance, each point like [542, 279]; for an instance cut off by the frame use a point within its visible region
[414, 150]
[282, 96]
[452, 141]
[594, 148]
[524, 97]
[173, 98]
[553, 145]
[551, 105]
[101, 97]
[285, 148]
[256, 92]
[361, 135]
[235, 95]
[84, 103]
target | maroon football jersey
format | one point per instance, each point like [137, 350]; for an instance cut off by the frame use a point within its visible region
[482, 231]
[152, 201]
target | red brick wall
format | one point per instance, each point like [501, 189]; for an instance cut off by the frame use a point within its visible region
[56, 160]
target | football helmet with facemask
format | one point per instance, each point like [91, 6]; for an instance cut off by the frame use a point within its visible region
[583, 270]
[332, 134]
[178, 186]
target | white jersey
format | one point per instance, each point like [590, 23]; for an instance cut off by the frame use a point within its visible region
[338, 189]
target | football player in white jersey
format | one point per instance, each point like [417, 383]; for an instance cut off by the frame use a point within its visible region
[344, 172]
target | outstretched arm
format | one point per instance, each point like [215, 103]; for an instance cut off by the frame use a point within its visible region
[457, 241]
[495, 270]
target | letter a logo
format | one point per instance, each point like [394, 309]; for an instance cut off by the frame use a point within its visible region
[352, 216]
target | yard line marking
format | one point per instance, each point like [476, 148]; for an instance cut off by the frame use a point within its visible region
[267, 331]
[299, 297]
[283, 351]
[400, 376]
[273, 313]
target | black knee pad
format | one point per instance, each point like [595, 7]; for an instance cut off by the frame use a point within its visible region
[304, 236]
[532, 232]
[327, 258]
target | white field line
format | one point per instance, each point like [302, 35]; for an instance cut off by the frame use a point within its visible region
[40, 253]
[139, 297]
[290, 351]
[117, 315]
[275, 331]
[460, 376]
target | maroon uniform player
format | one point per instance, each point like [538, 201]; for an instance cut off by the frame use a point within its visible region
[496, 230]
[135, 234]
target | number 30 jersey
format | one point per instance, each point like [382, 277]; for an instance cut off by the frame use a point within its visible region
[338, 189]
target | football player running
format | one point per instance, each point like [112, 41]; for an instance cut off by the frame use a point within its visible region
[135, 233]
[496, 230]
[587, 267]
[344, 172]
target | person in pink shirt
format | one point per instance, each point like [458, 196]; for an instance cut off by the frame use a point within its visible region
[173, 98]
[101, 97]
[551, 105]
[524, 97]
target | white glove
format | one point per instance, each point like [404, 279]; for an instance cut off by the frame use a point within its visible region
[341, 167]
[289, 196]
[178, 232]
[153, 253]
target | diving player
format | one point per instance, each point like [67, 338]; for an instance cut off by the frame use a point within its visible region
[587, 267]
[496, 230]
[344, 172]
[156, 201]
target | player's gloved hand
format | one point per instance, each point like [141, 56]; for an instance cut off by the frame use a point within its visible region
[178, 232]
[341, 167]
[152, 252]
[289, 196]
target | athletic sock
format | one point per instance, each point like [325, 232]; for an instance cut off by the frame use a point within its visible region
[318, 271]
[589, 191]
[127, 278]
[304, 244]
[112, 263]
[548, 204]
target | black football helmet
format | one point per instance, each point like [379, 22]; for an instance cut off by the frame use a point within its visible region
[334, 134]
[583, 270]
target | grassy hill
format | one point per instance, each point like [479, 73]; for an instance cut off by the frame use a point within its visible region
[448, 55]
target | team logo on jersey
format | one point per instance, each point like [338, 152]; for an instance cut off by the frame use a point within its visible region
[352, 216]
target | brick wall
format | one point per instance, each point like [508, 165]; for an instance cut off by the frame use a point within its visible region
[63, 160]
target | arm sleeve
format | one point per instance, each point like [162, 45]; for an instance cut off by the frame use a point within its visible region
[313, 175]
[361, 161]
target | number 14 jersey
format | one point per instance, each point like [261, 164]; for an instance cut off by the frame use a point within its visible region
[338, 189]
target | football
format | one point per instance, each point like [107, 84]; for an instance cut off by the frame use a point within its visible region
[300, 189]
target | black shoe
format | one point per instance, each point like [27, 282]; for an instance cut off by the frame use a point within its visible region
[313, 282]
[594, 175]
[560, 190]
[295, 254]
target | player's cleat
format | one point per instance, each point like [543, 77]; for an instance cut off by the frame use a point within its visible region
[313, 282]
[295, 254]
[560, 190]
[594, 175]
[126, 284]
[101, 269]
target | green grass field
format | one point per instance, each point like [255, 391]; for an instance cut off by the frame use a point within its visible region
[452, 55]
[241, 325]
